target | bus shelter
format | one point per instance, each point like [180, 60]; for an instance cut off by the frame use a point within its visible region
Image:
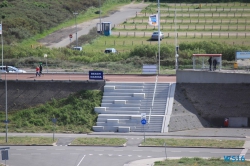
[218, 57]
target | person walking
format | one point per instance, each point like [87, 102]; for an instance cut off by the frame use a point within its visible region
[41, 69]
[37, 71]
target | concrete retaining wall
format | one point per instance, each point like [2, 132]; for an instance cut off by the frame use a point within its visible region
[193, 76]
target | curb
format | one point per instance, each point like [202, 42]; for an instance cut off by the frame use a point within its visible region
[191, 147]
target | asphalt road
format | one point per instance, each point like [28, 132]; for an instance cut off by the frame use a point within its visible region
[101, 156]
[117, 17]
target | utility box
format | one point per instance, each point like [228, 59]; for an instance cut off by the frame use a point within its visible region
[104, 28]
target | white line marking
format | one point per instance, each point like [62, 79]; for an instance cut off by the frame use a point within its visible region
[80, 161]
[20, 149]
[118, 150]
[100, 154]
[98, 150]
[129, 155]
[15, 154]
[243, 152]
[90, 154]
[119, 155]
[149, 156]
[137, 150]
[223, 152]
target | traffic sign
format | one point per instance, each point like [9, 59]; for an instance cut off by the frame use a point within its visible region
[143, 121]
[70, 35]
[143, 115]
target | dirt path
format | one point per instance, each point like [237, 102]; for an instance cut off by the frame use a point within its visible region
[60, 38]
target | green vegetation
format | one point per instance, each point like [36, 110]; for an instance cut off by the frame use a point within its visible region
[27, 141]
[100, 141]
[193, 143]
[33, 20]
[136, 48]
[199, 161]
[74, 114]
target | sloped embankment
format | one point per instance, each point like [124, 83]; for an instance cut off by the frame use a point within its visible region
[25, 94]
[206, 105]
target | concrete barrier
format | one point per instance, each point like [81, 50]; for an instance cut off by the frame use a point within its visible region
[141, 95]
[193, 76]
[119, 101]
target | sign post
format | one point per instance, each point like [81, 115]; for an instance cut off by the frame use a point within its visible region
[54, 121]
[5, 154]
[143, 122]
[96, 75]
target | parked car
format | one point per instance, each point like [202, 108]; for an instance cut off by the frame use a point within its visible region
[11, 69]
[155, 36]
[110, 50]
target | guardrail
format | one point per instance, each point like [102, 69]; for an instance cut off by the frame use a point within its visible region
[153, 100]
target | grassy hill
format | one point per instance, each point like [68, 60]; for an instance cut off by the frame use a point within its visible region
[32, 105]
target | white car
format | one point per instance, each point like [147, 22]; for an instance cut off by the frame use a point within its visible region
[110, 50]
[11, 69]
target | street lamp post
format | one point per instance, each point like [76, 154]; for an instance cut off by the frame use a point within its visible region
[46, 56]
[100, 16]
[6, 110]
[1, 33]
[76, 28]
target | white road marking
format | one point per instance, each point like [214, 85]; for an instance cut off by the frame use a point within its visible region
[137, 150]
[118, 150]
[243, 152]
[15, 154]
[149, 156]
[100, 154]
[98, 150]
[223, 152]
[129, 155]
[138, 156]
[20, 149]
[35, 153]
[110, 154]
[90, 154]
[119, 155]
[80, 149]
[80, 161]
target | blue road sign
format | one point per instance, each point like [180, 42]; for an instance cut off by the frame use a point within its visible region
[96, 75]
[6, 121]
[143, 121]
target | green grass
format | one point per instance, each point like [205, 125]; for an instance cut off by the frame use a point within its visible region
[27, 141]
[74, 114]
[99, 141]
[87, 16]
[199, 162]
[194, 143]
